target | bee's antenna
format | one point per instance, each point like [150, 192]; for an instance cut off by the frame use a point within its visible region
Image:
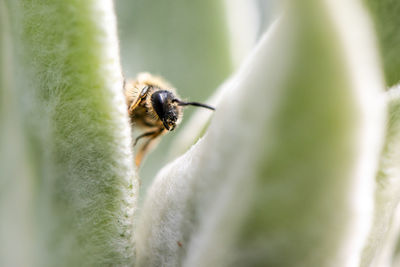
[181, 103]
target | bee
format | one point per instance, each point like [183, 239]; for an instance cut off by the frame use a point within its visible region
[153, 106]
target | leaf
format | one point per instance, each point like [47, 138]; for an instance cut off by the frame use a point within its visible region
[76, 133]
[285, 174]
[385, 14]
[16, 188]
[385, 231]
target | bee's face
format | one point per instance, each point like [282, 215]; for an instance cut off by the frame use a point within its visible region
[166, 108]
[153, 105]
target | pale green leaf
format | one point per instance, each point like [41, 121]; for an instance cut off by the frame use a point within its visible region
[285, 174]
[385, 231]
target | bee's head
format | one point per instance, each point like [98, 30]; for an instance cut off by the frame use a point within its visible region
[167, 109]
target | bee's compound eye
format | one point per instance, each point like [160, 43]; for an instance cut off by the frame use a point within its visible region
[158, 100]
[160, 104]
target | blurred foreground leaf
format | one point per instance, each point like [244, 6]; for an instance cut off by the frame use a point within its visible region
[386, 225]
[76, 136]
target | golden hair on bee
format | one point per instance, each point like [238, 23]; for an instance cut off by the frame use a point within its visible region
[153, 106]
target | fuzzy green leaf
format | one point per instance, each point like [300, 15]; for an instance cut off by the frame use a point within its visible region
[285, 175]
[384, 233]
[16, 235]
[69, 94]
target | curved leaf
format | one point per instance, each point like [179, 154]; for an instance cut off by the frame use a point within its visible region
[69, 85]
[285, 175]
[385, 231]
